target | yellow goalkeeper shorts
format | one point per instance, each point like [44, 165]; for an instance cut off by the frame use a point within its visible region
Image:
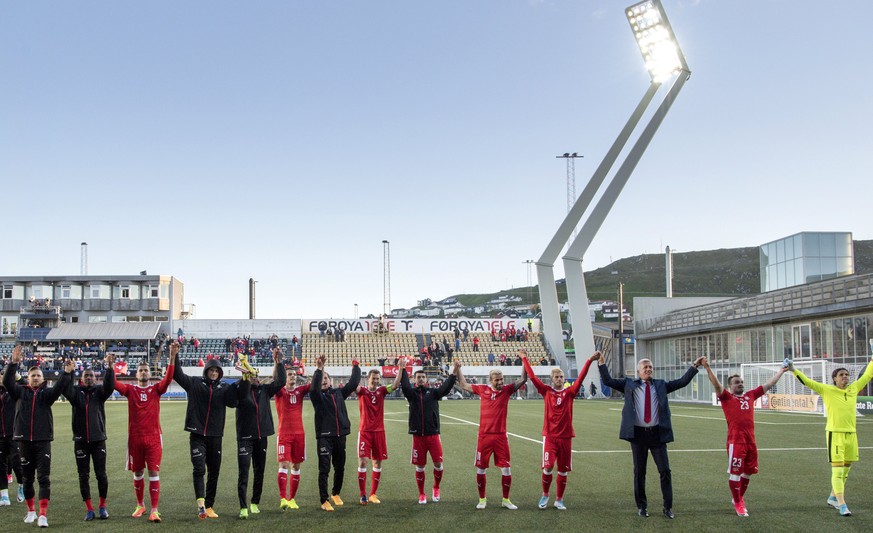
[842, 447]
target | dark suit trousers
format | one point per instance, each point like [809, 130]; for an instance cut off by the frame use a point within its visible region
[648, 440]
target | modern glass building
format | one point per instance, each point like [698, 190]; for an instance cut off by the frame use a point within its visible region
[822, 312]
[806, 258]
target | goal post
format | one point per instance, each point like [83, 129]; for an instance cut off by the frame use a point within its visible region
[789, 394]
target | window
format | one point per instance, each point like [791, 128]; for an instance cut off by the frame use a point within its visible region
[95, 291]
[7, 292]
[162, 319]
[74, 320]
[37, 293]
[66, 292]
[117, 319]
[152, 291]
[97, 319]
[125, 291]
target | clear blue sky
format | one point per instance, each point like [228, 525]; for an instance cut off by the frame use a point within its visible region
[284, 140]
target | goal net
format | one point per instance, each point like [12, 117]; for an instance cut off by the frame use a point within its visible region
[789, 394]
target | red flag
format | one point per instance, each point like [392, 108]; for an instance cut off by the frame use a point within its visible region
[120, 367]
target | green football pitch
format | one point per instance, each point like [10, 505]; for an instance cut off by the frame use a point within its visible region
[788, 495]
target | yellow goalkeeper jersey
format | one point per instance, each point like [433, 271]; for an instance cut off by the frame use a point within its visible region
[840, 404]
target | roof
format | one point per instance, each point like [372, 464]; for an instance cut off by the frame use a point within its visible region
[105, 331]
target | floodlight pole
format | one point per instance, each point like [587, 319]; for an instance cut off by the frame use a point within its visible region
[577, 295]
[649, 30]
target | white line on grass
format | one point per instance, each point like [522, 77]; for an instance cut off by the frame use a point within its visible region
[721, 450]
[508, 433]
[721, 418]
[672, 450]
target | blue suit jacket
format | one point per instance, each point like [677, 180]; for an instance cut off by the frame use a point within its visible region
[662, 389]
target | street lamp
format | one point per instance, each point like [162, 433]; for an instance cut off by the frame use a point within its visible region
[663, 59]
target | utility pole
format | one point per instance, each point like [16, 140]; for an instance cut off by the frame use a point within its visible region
[621, 328]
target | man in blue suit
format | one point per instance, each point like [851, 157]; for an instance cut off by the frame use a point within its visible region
[645, 423]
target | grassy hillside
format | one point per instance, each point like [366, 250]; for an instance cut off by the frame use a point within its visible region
[725, 272]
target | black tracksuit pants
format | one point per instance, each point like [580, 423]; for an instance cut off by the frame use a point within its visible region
[86, 452]
[251, 451]
[206, 458]
[9, 461]
[36, 462]
[331, 450]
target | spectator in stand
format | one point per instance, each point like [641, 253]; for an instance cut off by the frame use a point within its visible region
[518, 360]
[475, 344]
[294, 342]
[490, 357]
[502, 335]
[457, 332]
[322, 328]
[457, 344]
[503, 359]
[466, 333]
[543, 361]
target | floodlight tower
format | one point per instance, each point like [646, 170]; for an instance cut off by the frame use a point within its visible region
[571, 179]
[664, 60]
[386, 278]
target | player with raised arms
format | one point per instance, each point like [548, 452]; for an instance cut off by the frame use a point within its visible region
[254, 424]
[34, 429]
[371, 433]
[291, 438]
[331, 428]
[89, 434]
[557, 426]
[494, 401]
[739, 412]
[842, 438]
[145, 447]
[424, 426]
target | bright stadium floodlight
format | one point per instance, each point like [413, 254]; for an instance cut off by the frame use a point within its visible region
[664, 60]
[655, 38]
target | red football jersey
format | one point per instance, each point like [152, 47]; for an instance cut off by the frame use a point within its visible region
[289, 408]
[144, 405]
[372, 408]
[739, 411]
[558, 418]
[492, 407]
